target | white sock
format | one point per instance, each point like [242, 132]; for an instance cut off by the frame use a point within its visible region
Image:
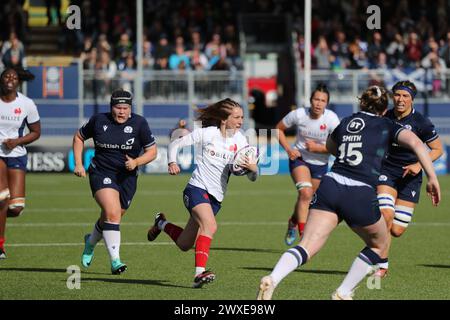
[199, 270]
[287, 263]
[111, 235]
[96, 235]
[383, 265]
[358, 271]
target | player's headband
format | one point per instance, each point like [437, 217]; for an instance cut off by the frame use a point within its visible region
[406, 89]
[121, 97]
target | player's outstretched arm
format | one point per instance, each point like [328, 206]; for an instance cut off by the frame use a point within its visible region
[78, 146]
[408, 139]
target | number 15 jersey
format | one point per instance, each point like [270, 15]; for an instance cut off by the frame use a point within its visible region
[362, 141]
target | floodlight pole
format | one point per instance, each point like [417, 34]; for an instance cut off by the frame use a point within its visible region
[138, 84]
[307, 68]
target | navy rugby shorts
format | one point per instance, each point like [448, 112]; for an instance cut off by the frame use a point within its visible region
[193, 196]
[356, 205]
[408, 188]
[317, 172]
[16, 162]
[124, 183]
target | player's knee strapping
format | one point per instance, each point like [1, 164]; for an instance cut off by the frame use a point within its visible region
[16, 207]
[300, 254]
[386, 201]
[4, 194]
[403, 216]
[302, 185]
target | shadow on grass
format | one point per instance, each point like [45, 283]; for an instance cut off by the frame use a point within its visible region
[439, 266]
[333, 272]
[160, 283]
[48, 270]
[247, 250]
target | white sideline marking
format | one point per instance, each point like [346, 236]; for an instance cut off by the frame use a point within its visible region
[150, 223]
[69, 244]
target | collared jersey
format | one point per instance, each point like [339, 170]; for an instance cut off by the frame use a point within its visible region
[14, 116]
[114, 140]
[362, 141]
[213, 154]
[316, 130]
[398, 156]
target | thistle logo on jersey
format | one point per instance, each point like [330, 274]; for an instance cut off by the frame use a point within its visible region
[105, 127]
[323, 127]
[356, 125]
[17, 111]
[128, 129]
[130, 141]
[233, 147]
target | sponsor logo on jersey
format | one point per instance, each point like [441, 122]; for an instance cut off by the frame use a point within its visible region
[356, 125]
[107, 181]
[128, 129]
[130, 142]
[323, 127]
[382, 178]
[105, 127]
[413, 193]
[233, 147]
[17, 111]
[408, 127]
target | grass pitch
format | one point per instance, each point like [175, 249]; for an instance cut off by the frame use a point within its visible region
[60, 210]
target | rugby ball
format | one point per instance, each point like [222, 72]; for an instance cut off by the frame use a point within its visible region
[247, 151]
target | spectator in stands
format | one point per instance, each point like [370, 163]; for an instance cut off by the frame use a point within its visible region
[396, 52]
[233, 58]
[322, 54]
[196, 41]
[163, 49]
[106, 70]
[103, 44]
[162, 64]
[8, 44]
[215, 46]
[148, 59]
[13, 57]
[198, 60]
[413, 50]
[179, 59]
[375, 48]
[444, 52]
[179, 131]
[127, 73]
[56, 4]
[123, 48]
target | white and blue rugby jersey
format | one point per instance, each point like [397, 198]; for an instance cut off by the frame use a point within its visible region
[14, 116]
[213, 154]
[316, 130]
[114, 140]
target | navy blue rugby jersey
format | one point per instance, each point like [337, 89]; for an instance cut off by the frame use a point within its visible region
[362, 141]
[398, 156]
[113, 140]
